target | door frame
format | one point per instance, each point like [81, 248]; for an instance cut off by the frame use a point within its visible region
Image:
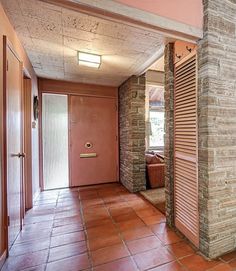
[27, 136]
[7, 45]
[68, 92]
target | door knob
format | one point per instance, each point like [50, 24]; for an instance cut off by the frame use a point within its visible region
[19, 155]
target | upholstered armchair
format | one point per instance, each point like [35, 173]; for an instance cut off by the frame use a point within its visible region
[155, 171]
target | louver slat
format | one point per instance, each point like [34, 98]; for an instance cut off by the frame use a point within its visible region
[185, 153]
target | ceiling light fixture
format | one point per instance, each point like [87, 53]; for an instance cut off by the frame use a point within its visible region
[89, 60]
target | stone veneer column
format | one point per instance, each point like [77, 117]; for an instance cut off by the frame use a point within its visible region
[217, 128]
[169, 132]
[132, 133]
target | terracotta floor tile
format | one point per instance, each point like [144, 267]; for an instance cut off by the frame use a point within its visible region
[68, 238]
[68, 220]
[95, 216]
[117, 204]
[58, 253]
[67, 214]
[125, 217]
[222, 267]
[66, 208]
[38, 226]
[30, 237]
[108, 215]
[88, 194]
[75, 263]
[86, 208]
[98, 222]
[173, 266]
[138, 205]
[101, 231]
[95, 210]
[180, 249]
[68, 199]
[155, 219]
[133, 197]
[45, 206]
[29, 247]
[66, 204]
[45, 201]
[109, 254]
[120, 211]
[169, 237]
[92, 202]
[148, 212]
[153, 258]
[29, 260]
[74, 197]
[67, 229]
[233, 264]
[159, 228]
[35, 219]
[41, 211]
[197, 263]
[130, 224]
[36, 268]
[143, 244]
[136, 233]
[112, 199]
[228, 257]
[107, 193]
[125, 264]
[110, 240]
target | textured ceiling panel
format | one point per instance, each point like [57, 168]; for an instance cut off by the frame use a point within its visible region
[52, 36]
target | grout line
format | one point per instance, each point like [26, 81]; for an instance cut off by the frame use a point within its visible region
[85, 231]
[54, 212]
[122, 238]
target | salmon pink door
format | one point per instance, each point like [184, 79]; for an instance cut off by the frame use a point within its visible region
[14, 146]
[93, 140]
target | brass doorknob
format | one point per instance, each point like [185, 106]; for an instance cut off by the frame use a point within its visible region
[19, 155]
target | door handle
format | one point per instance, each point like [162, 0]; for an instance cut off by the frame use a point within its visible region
[88, 155]
[19, 155]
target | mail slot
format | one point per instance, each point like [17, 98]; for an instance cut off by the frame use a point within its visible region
[88, 155]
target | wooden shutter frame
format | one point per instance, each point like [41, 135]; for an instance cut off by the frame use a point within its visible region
[187, 89]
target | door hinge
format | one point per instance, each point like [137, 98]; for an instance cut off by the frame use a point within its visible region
[116, 138]
[8, 220]
[7, 65]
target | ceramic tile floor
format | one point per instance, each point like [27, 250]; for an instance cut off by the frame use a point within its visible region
[102, 228]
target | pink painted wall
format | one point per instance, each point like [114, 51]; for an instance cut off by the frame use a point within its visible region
[185, 11]
[181, 50]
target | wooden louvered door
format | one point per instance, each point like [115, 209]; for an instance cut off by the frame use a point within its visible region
[185, 152]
